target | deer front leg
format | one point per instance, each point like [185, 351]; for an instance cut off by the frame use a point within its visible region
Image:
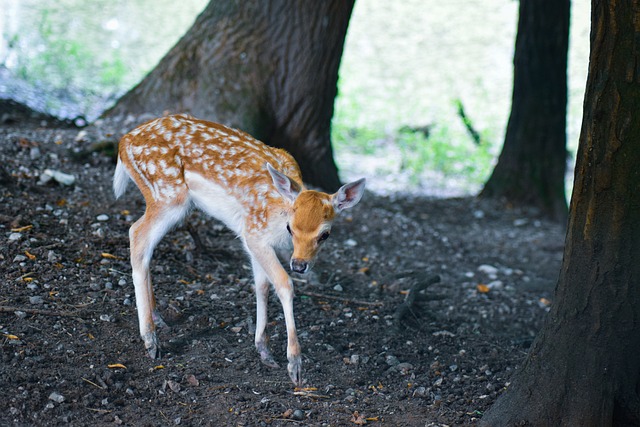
[262, 298]
[266, 257]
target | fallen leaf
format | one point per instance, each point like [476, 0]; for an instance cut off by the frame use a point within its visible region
[30, 255]
[545, 301]
[109, 256]
[116, 366]
[192, 380]
[363, 270]
[11, 337]
[358, 419]
[21, 229]
[27, 279]
[61, 202]
[157, 367]
[287, 413]
[124, 212]
[483, 289]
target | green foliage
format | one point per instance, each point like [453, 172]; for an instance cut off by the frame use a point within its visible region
[441, 151]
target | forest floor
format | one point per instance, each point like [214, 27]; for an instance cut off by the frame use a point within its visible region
[69, 336]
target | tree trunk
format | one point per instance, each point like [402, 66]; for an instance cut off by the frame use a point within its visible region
[531, 168]
[269, 68]
[583, 369]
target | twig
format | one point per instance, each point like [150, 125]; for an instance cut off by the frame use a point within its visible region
[409, 301]
[9, 309]
[345, 300]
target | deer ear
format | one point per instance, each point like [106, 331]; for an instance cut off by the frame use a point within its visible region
[288, 188]
[348, 195]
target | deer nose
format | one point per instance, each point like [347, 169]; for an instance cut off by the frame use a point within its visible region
[299, 265]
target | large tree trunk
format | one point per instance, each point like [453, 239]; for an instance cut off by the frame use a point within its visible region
[267, 67]
[531, 168]
[584, 367]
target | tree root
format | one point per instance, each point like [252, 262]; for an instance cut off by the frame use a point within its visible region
[413, 297]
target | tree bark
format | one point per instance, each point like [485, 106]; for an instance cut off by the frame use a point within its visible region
[531, 168]
[269, 68]
[583, 368]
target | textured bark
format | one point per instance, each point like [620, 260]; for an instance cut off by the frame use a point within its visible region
[532, 166]
[267, 67]
[583, 369]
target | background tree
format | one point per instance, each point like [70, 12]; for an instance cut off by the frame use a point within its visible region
[583, 368]
[531, 168]
[269, 68]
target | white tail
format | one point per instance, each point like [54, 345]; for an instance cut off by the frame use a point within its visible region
[256, 190]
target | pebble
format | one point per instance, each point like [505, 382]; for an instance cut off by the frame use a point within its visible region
[496, 284]
[487, 269]
[420, 392]
[19, 258]
[60, 177]
[15, 236]
[103, 217]
[122, 282]
[36, 300]
[392, 360]
[20, 314]
[56, 397]
[298, 415]
[107, 318]
[350, 242]
[338, 288]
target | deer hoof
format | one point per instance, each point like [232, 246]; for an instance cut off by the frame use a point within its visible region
[152, 345]
[295, 370]
[265, 355]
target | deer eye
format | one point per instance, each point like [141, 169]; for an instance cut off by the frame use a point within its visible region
[289, 230]
[324, 236]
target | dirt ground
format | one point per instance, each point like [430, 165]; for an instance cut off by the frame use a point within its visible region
[379, 346]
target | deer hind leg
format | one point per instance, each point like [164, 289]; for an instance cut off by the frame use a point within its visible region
[262, 298]
[144, 236]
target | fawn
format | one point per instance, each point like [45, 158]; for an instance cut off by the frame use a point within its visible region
[255, 190]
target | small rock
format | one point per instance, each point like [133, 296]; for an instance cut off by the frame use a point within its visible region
[35, 300]
[488, 269]
[15, 236]
[19, 258]
[520, 222]
[420, 392]
[297, 415]
[107, 318]
[20, 314]
[495, 285]
[60, 177]
[94, 286]
[392, 360]
[122, 282]
[354, 359]
[338, 288]
[478, 214]
[350, 242]
[103, 217]
[127, 301]
[56, 397]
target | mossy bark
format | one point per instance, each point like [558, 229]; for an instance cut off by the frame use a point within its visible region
[583, 369]
[531, 168]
